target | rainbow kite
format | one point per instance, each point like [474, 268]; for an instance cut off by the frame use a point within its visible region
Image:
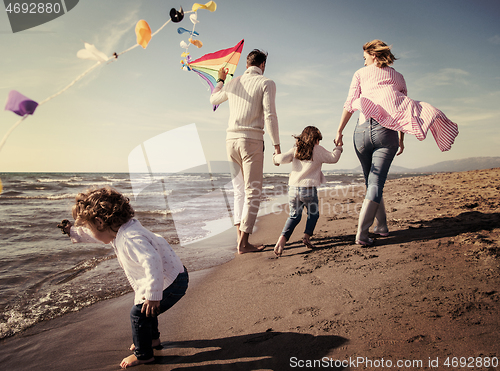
[208, 66]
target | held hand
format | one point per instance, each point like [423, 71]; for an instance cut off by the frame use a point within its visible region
[274, 161]
[223, 73]
[277, 151]
[338, 140]
[151, 308]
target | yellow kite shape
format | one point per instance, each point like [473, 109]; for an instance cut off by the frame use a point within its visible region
[143, 33]
[211, 5]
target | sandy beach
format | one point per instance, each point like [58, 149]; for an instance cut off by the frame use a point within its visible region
[425, 297]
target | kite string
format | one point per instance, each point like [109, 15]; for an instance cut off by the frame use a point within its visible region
[6, 136]
[70, 84]
[194, 26]
[152, 35]
[11, 130]
[75, 81]
[136, 45]
[98, 63]
[161, 28]
[125, 51]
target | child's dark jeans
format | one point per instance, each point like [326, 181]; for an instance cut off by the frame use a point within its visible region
[145, 329]
[298, 198]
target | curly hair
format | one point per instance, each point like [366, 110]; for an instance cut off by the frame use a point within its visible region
[106, 203]
[381, 51]
[305, 142]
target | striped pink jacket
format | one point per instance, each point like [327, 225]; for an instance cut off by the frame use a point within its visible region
[380, 93]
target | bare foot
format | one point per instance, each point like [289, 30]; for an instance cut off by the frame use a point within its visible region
[244, 246]
[155, 343]
[307, 242]
[243, 249]
[132, 361]
[280, 246]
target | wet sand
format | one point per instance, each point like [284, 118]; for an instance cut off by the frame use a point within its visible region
[427, 293]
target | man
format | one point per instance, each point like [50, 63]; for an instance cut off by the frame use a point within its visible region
[251, 107]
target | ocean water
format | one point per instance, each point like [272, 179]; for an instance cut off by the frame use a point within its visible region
[43, 275]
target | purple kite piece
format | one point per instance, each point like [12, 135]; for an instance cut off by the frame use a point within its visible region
[19, 104]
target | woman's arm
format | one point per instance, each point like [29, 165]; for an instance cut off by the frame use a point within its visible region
[354, 93]
[344, 119]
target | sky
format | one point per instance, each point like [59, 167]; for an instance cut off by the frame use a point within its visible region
[448, 52]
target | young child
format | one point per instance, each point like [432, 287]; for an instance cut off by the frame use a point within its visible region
[153, 269]
[306, 157]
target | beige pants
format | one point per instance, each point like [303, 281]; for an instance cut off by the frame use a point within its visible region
[247, 156]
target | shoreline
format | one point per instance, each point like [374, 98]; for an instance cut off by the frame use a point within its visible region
[428, 291]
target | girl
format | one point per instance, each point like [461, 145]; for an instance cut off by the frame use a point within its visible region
[306, 157]
[153, 269]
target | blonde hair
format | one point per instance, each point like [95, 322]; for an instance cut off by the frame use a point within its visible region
[381, 51]
[306, 142]
[106, 203]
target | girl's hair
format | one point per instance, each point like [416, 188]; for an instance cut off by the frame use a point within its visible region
[106, 203]
[306, 141]
[381, 51]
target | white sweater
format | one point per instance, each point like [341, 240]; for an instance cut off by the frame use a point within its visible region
[148, 260]
[251, 105]
[308, 173]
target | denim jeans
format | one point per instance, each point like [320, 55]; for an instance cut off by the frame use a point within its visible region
[145, 329]
[298, 198]
[376, 147]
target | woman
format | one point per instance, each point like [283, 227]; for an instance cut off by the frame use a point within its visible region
[379, 93]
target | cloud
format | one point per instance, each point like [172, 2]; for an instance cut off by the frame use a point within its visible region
[495, 40]
[477, 118]
[115, 30]
[476, 111]
[444, 77]
[298, 77]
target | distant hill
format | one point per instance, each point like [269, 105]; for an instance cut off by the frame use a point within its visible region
[465, 164]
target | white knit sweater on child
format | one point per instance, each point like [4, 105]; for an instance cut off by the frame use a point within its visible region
[307, 173]
[148, 260]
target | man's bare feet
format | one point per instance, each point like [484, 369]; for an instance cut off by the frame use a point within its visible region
[155, 344]
[250, 248]
[132, 361]
[245, 247]
[280, 246]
